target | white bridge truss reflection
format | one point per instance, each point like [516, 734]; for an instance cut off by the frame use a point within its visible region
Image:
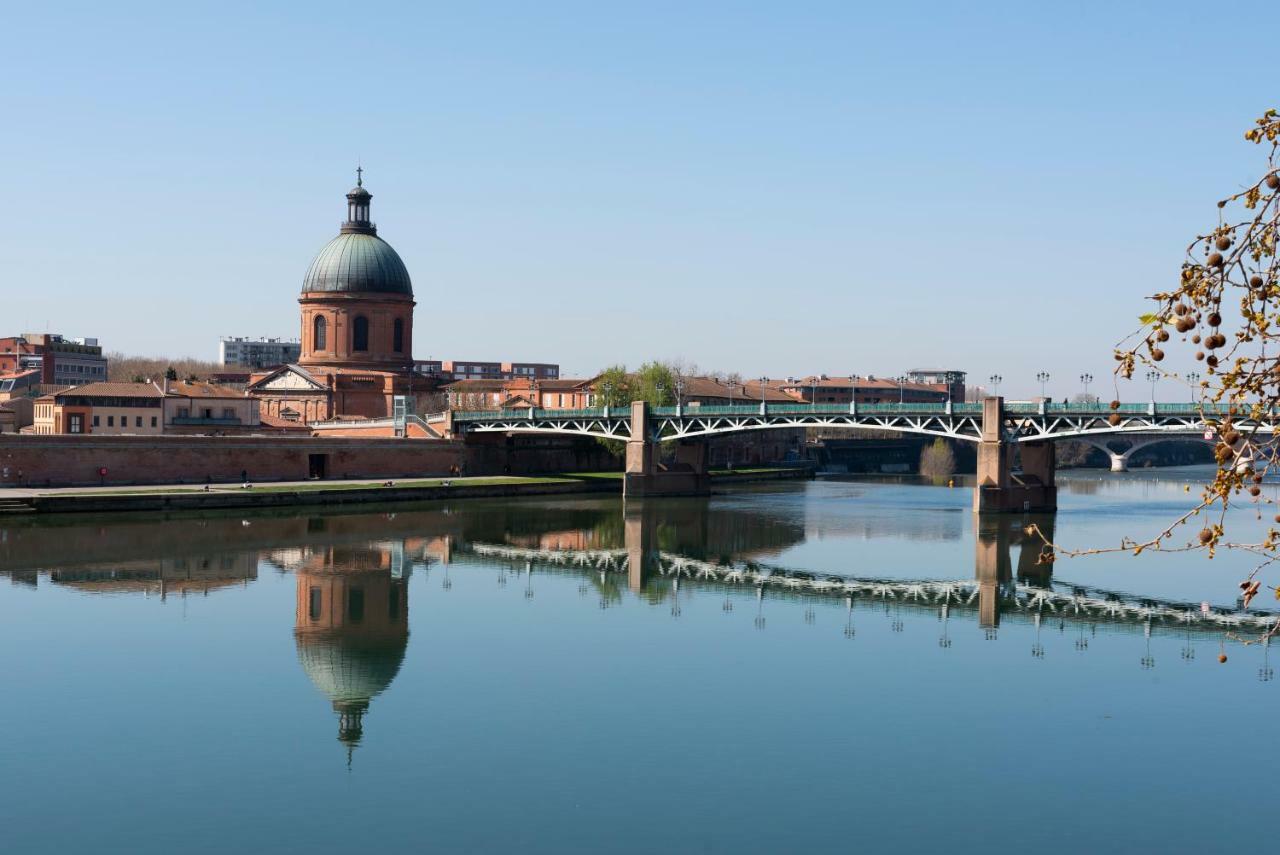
[1055, 599]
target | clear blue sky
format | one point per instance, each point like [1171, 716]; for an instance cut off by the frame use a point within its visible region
[769, 188]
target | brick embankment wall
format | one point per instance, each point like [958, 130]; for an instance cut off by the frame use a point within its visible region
[63, 461]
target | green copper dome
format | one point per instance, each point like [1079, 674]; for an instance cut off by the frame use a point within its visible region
[358, 262]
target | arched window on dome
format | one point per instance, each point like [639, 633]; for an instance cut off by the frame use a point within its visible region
[360, 334]
[319, 333]
[397, 336]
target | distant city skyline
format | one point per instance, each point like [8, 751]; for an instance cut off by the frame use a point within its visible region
[993, 189]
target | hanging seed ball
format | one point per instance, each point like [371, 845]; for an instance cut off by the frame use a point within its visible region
[1255, 281]
[1278, 518]
[1223, 243]
[1157, 354]
[1211, 360]
[1199, 356]
[1215, 319]
[1215, 259]
[1115, 405]
[1162, 335]
[1114, 419]
[1222, 658]
[1257, 478]
[1231, 437]
[1195, 339]
[1273, 181]
[1206, 535]
[1180, 309]
[1255, 490]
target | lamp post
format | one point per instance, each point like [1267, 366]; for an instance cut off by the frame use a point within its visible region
[902, 379]
[1193, 377]
[813, 392]
[1043, 377]
[995, 380]
[1154, 377]
[1085, 380]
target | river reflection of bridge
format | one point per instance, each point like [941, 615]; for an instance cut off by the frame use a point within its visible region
[994, 593]
[350, 623]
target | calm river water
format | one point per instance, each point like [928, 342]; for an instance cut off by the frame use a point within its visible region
[824, 666]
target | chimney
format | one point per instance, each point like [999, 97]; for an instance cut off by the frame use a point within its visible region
[165, 387]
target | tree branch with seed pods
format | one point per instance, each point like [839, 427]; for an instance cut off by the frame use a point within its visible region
[1226, 307]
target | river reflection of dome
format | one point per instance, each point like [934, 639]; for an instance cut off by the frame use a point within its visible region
[351, 629]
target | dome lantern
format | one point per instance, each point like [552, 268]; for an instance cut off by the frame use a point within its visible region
[358, 198]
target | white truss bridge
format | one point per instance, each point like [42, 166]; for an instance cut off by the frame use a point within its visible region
[1058, 599]
[1021, 422]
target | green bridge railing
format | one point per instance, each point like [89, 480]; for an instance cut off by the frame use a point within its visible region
[1015, 408]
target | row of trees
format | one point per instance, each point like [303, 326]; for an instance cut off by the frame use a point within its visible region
[122, 368]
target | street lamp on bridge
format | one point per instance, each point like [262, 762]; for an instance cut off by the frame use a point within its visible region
[1043, 377]
[995, 380]
[1085, 380]
[1193, 377]
[902, 381]
[1154, 377]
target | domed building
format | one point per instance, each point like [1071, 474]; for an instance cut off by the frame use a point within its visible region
[357, 330]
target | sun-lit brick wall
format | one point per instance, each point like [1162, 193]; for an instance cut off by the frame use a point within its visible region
[77, 460]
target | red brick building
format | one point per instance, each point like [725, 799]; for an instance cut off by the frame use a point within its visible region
[357, 331]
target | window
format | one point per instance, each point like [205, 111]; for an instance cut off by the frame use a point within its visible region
[111, 421]
[313, 605]
[153, 421]
[137, 421]
[360, 334]
[207, 413]
[397, 336]
[183, 412]
[228, 413]
[96, 420]
[319, 333]
[75, 423]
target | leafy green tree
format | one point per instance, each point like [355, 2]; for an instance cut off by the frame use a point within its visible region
[614, 387]
[171, 373]
[655, 382]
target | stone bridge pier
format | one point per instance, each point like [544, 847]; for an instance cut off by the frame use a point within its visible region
[1001, 489]
[647, 475]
